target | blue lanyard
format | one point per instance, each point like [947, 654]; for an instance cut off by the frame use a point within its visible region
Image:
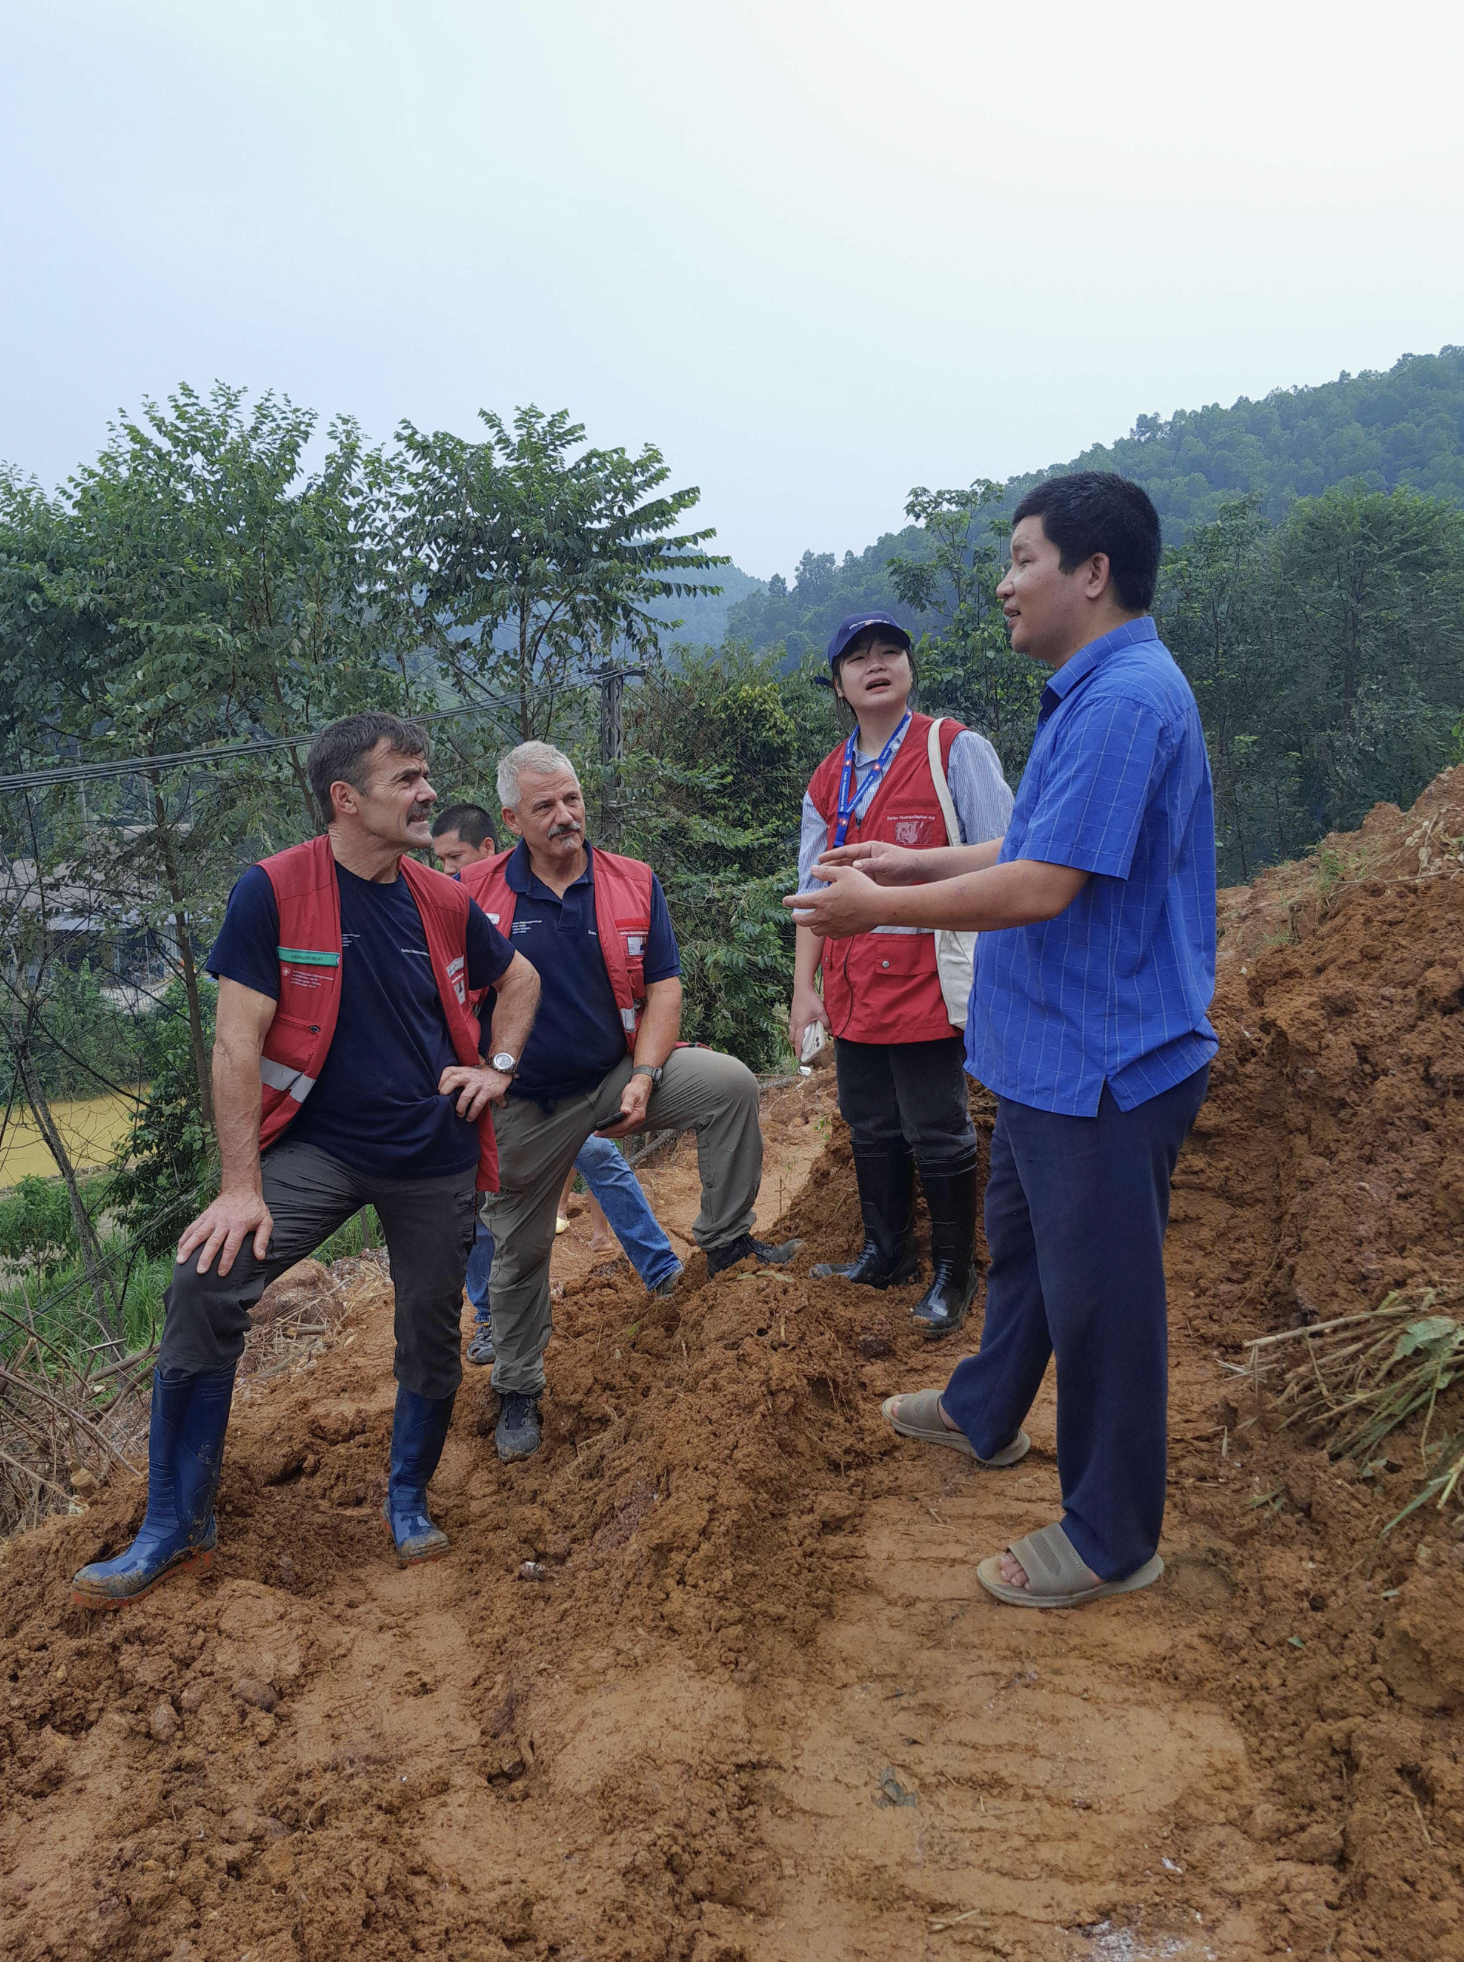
[847, 800]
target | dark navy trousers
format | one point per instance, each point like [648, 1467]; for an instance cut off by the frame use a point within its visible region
[1076, 1211]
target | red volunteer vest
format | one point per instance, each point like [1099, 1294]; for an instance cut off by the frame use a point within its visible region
[299, 1037]
[884, 987]
[622, 920]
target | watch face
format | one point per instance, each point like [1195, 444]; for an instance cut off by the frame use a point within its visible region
[503, 1061]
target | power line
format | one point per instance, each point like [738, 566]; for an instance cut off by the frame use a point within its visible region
[258, 746]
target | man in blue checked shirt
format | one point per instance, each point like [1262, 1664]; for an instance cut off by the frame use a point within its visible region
[1094, 972]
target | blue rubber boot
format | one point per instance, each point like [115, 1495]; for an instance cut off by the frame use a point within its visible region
[418, 1432]
[190, 1414]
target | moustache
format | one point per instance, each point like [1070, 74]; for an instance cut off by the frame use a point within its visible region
[566, 831]
[419, 813]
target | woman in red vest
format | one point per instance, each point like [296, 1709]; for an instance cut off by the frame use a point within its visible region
[898, 1052]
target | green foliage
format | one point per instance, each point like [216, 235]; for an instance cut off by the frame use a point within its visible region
[530, 558]
[35, 1225]
[1377, 431]
[699, 619]
[1324, 657]
[59, 1304]
[85, 1042]
[799, 618]
[720, 750]
[966, 666]
[190, 586]
[162, 1170]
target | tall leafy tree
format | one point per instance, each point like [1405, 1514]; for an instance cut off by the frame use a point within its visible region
[1217, 613]
[190, 587]
[530, 557]
[720, 749]
[1324, 653]
[1371, 593]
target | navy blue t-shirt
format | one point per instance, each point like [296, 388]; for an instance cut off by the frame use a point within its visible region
[577, 1037]
[375, 1105]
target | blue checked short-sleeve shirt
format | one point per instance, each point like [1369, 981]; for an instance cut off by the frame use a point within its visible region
[1115, 990]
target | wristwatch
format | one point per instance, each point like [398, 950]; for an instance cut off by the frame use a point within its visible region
[652, 1070]
[505, 1064]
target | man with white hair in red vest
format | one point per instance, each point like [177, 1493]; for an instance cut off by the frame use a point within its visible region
[346, 1073]
[603, 1058]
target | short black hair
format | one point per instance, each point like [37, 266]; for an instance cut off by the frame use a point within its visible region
[471, 823]
[1092, 511]
[339, 752]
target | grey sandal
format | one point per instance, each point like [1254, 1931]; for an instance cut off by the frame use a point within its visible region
[920, 1419]
[1057, 1578]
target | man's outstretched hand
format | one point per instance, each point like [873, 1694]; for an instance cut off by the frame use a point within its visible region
[849, 902]
[887, 865]
[222, 1228]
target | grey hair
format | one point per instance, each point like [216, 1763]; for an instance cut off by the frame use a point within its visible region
[539, 759]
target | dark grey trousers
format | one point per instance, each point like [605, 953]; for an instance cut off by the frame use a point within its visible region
[429, 1230]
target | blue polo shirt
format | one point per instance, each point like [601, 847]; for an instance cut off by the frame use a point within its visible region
[1114, 991]
[577, 1037]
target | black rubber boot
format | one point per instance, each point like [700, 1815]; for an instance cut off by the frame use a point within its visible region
[886, 1188]
[950, 1198]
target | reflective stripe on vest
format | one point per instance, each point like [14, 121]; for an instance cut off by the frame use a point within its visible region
[298, 1040]
[294, 1082]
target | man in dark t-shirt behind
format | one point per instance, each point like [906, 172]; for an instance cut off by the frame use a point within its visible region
[381, 1111]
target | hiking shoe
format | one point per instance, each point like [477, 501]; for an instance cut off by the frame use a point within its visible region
[667, 1287]
[518, 1434]
[744, 1247]
[480, 1348]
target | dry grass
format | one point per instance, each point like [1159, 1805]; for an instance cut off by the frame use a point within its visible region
[68, 1426]
[1353, 1382]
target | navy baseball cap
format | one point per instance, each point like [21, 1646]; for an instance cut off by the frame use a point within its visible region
[855, 625]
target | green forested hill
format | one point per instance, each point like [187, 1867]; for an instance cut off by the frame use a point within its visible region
[1405, 427]
[1380, 430]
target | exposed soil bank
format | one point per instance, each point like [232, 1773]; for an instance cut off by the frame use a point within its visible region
[758, 1708]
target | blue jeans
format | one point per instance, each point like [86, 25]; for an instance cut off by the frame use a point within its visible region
[1076, 1209]
[624, 1205]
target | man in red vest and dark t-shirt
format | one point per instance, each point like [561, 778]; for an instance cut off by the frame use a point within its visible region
[603, 1058]
[346, 1073]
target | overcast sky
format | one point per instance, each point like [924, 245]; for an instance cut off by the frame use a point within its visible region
[817, 253]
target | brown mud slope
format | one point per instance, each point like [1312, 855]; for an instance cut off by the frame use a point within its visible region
[757, 1706]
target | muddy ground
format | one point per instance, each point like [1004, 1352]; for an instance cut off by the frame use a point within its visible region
[757, 1707]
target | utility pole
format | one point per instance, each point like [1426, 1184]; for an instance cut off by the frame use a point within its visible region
[612, 748]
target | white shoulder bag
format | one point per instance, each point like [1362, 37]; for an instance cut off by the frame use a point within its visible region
[954, 951]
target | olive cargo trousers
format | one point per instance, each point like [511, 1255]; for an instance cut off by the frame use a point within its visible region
[701, 1091]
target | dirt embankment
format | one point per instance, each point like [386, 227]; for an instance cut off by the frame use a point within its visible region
[757, 1707]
